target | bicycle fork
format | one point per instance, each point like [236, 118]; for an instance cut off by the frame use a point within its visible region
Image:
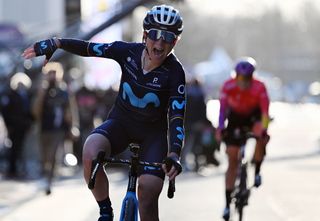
[129, 208]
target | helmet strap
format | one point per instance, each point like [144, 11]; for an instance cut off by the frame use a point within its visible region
[144, 37]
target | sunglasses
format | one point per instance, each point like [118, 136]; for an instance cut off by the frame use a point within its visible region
[167, 36]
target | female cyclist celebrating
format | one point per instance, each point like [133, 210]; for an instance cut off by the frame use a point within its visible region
[151, 98]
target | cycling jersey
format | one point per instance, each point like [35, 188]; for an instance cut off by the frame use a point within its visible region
[242, 101]
[145, 98]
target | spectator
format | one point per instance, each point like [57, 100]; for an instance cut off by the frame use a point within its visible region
[198, 140]
[16, 112]
[53, 110]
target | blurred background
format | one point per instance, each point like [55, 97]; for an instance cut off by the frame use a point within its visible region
[282, 36]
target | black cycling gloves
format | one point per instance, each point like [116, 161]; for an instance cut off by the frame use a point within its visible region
[172, 161]
[45, 47]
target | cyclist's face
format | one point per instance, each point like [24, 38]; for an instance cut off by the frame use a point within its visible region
[158, 49]
[243, 82]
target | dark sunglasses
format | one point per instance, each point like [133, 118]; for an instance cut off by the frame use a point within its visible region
[167, 36]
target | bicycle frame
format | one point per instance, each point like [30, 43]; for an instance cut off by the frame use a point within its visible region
[129, 208]
[242, 191]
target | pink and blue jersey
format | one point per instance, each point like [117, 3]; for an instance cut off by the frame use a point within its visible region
[242, 101]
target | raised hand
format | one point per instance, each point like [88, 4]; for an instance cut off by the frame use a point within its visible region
[45, 47]
[29, 53]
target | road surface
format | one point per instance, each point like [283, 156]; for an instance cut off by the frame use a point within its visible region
[290, 190]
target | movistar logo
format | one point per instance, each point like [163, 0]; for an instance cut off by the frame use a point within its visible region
[43, 45]
[139, 102]
[97, 49]
[176, 104]
[180, 136]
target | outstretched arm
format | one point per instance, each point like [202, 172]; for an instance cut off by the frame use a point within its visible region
[46, 47]
[75, 46]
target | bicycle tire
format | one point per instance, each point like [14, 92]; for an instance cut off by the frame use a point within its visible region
[242, 196]
[129, 210]
[240, 212]
[243, 177]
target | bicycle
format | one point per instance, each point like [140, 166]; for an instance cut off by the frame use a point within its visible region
[241, 194]
[129, 208]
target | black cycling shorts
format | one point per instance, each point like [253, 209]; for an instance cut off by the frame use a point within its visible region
[238, 125]
[151, 137]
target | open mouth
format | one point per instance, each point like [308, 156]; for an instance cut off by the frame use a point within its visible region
[158, 52]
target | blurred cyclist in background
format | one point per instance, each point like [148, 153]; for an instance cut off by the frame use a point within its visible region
[151, 99]
[244, 103]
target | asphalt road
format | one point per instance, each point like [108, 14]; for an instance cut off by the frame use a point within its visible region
[290, 190]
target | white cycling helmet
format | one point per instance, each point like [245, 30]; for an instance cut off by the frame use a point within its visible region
[165, 18]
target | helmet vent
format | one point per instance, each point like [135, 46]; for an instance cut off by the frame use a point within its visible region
[164, 17]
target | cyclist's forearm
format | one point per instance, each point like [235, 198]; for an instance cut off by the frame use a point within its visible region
[176, 130]
[176, 123]
[74, 46]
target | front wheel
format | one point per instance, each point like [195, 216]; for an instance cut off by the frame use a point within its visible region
[243, 194]
[240, 212]
[129, 211]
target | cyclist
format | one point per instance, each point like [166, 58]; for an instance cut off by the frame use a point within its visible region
[244, 103]
[151, 98]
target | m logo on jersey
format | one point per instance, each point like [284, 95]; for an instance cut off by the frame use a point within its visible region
[180, 136]
[97, 50]
[177, 105]
[43, 45]
[139, 102]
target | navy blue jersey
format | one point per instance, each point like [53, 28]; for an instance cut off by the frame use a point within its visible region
[158, 95]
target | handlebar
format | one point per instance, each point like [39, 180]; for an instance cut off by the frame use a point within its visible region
[171, 189]
[95, 166]
[101, 160]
